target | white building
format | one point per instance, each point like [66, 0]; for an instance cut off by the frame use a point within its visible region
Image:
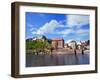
[79, 45]
[72, 44]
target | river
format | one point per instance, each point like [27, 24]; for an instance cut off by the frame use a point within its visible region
[56, 59]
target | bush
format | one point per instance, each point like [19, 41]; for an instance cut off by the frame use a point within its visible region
[38, 46]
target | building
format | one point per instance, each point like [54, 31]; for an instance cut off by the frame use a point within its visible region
[79, 45]
[85, 44]
[66, 45]
[58, 43]
[72, 44]
[39, 38]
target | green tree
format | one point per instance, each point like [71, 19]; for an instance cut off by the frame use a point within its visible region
[38, 46]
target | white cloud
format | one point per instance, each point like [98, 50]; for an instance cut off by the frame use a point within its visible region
[82, 31]
[62, 26]
[77, 20]
[30, 25]
[72, 20]
[34, 32]
[33, 29]
[48, 27]
[66, 31]
[79, 32]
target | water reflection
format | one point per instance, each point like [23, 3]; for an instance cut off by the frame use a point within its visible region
[56, 59]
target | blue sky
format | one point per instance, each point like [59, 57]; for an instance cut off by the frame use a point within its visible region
[66, 26]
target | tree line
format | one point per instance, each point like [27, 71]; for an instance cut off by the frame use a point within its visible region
[39, 47]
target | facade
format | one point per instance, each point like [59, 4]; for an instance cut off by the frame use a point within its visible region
[72, 44]
[79, 45]
[85, 45]
[58, 43]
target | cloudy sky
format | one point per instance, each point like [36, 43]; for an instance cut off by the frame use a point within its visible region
[67, 26]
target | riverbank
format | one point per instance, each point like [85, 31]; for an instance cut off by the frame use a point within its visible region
[68, 51]
[60, 51]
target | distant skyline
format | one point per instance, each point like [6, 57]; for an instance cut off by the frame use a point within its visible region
[66, 26]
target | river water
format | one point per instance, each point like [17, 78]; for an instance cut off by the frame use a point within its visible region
[56, 59]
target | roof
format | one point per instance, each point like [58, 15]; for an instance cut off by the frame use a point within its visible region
[57, 39]
[73, 41]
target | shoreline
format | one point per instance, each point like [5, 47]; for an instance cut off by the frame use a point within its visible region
[61, 51]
